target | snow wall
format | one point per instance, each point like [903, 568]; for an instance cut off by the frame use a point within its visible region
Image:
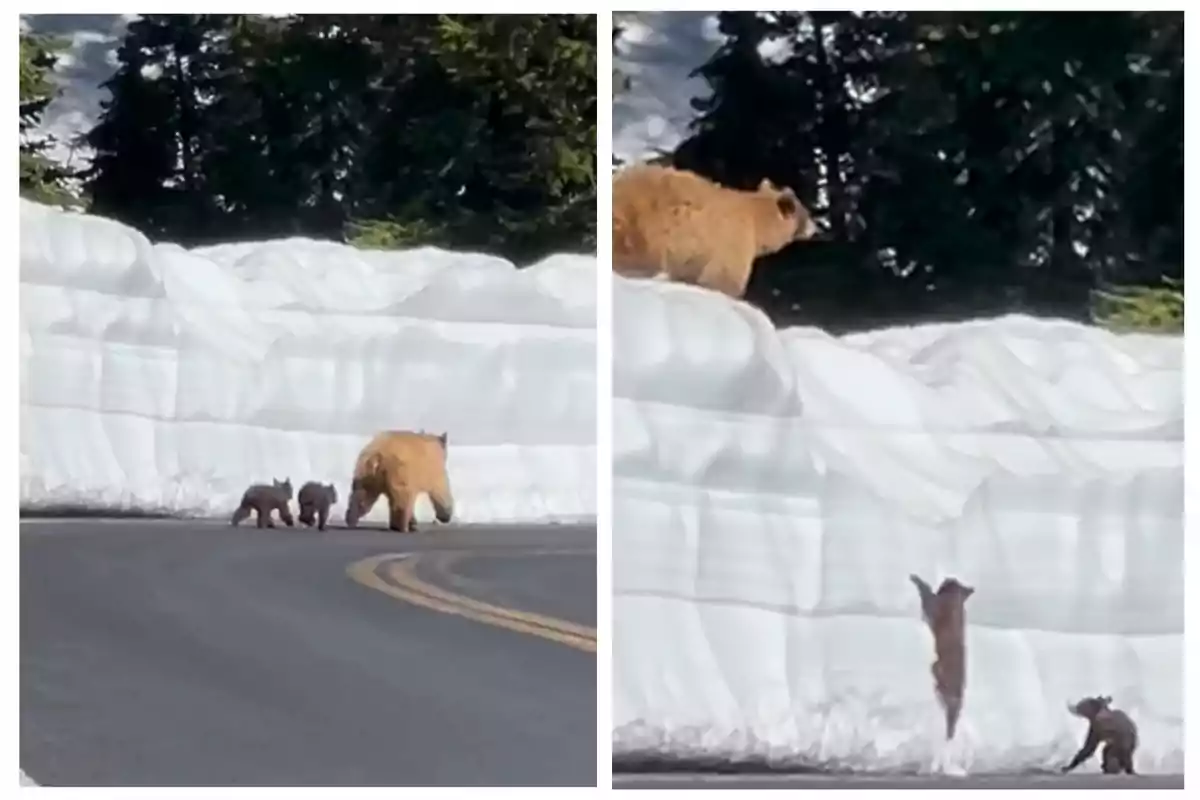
[160, 379]
[773, 490]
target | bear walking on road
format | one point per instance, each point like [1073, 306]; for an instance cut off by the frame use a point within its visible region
[401, 465]
[262, 500]
[315, 500]
[1108, 726]
[676, 224]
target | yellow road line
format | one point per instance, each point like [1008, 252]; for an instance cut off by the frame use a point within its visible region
[405, 573]
[405, 585]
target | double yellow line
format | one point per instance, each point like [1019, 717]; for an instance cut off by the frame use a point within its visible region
[403, 583]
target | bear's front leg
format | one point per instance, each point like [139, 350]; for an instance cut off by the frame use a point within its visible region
[401, 521]
[358, 506]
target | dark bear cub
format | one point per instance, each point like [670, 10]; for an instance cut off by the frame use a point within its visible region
[262, 500]
[945, 614]
[1108, 726]
[315, 501]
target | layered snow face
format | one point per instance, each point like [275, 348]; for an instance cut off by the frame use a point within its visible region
[159, 379]
[774, 490]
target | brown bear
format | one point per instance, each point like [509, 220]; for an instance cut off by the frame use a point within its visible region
[401, 465]
[945, 614]
[315, 500]
[262, 500]
[676, 224]
[1109, 726]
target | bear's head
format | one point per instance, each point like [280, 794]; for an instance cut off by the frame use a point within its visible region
[952, 588]
[284, 486]
[1090, 707]
[784, 219]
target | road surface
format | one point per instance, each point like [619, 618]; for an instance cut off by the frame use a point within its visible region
[191, 654]
[759, 777]
[763, 780]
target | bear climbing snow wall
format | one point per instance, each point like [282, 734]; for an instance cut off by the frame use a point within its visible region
[773, 491]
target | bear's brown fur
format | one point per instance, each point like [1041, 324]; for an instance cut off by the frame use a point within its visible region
[315, 500]
[401, 465]
[945, 614]
[262, 500]
[674, 223]
[1112, 727]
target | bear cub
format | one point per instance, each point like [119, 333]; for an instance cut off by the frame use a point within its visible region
[945, 614]
[1108, 726]
[315, 500]
[262, 500]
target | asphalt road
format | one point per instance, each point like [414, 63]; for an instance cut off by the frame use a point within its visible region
[821, 782]
[190, 654]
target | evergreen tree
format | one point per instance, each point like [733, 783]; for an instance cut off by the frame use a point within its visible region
[41, 178]
[962, 162]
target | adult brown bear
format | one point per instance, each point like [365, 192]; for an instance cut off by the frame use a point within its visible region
[679, 225]
[401, 465]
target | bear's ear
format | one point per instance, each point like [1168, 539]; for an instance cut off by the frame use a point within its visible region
[788, 204]
[765, 185]
[443, 437]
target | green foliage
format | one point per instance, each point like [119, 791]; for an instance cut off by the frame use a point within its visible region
[963, 163]
[37, 59]
[41, 179]
[512, 132]
[383, 234]
[1141, 309]
[464, 131]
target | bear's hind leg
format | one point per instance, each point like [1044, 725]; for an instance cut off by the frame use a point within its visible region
[953, 705]
[443, 504]
[240, 514]
[1110, 760]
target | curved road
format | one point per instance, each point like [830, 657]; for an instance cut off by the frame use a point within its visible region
[190, 654]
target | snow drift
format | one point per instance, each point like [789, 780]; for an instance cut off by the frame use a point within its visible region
[159, 379]
[773, 490]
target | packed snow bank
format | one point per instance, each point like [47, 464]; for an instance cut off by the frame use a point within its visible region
[773, 490]
[164, 380]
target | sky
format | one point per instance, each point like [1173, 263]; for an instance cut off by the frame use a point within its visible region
[658, 51]
[88, 61]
